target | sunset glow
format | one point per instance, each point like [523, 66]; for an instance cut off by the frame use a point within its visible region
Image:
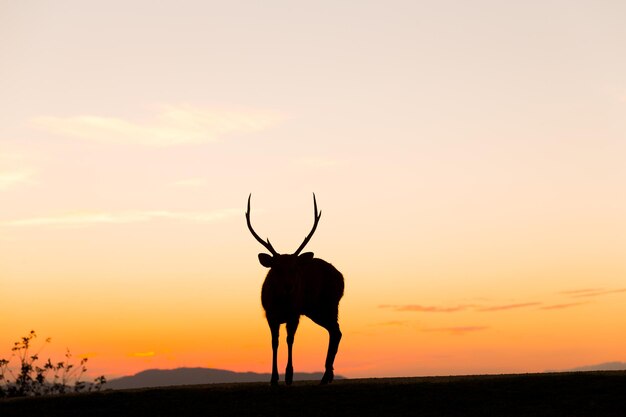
[469, 159]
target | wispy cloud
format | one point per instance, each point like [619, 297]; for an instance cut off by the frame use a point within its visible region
[11, 155]
[534, 305]
[9, 179]
[457, 330]
[457, 308]
[560, 306]
[580, 291]
[392, 323]
[426, 309]
[509, 306]
[174, 125]
[592, 292]
[94, 218]
[503, 307]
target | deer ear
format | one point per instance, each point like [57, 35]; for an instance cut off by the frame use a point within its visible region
[305, 257]
[266, 260]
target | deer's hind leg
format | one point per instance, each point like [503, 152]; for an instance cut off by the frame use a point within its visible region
[334, 337]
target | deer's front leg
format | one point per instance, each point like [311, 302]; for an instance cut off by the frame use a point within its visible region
[274, 328]
[292, 326]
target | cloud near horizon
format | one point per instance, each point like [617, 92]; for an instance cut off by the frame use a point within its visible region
[580, 291]
[174, 125]
[592, 292]
[427, 309]
[92, 218]
[457, 331]
[483, 309]
[454, 309]
[561, 306]
[391, 323]
[509, 306]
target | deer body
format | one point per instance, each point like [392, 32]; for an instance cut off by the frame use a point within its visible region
[299, 284]
[312, 291]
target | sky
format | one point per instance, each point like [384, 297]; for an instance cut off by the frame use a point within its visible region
[469, 159]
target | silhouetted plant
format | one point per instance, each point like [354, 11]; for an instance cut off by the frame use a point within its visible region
[27, 378]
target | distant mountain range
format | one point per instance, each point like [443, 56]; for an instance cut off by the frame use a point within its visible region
[196, 376]
[607, 366]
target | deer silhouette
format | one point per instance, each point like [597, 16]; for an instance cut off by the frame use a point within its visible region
[299, 284]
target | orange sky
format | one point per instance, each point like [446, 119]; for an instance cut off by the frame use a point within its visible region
[470, 163]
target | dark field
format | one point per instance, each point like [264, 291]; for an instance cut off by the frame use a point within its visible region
[559, 394]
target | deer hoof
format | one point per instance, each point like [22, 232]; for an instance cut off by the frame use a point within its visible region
[327, 378]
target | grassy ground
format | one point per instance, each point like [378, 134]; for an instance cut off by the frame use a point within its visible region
[560, 394]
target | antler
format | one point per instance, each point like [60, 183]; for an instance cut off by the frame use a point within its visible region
[317, 216]
[267, 244]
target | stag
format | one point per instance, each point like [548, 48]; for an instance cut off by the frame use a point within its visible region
[299, 284]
